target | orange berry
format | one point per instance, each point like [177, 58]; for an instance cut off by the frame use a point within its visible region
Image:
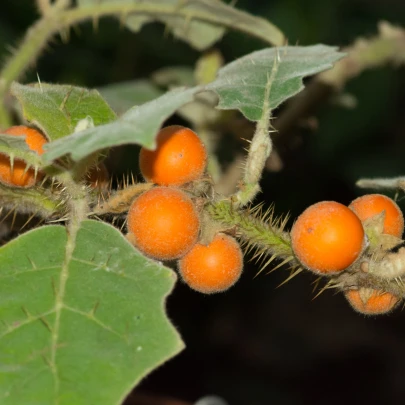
[180, 157]
[212, 268]
[371, 302]
[327, 237]
[97, 177]
[163, 223]
[18, 175]
[370, 205]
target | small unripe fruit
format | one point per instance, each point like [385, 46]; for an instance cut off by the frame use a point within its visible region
[212, 268]
[371, 302]
[371, 205]
[18, 175]
[163, 223]
[180, 157]
[327, 237]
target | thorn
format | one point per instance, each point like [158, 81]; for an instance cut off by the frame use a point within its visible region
[34, 267]
[292, 275]
[285, 261]
[108, 260]
[47, 361]
[54, 290]
[94, 309]
[39, 82]
[29, 220]
[26, 312]
[45, 323]
[65, 99]
[13, 220]
[12, 164]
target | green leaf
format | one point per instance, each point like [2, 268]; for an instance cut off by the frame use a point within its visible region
[58, 109]
[139, 126]
[241, 84]
[199, 22]
[124, 95]
[84, 333]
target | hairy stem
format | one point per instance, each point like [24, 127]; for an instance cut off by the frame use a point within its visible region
[260, 148]
[262, 232]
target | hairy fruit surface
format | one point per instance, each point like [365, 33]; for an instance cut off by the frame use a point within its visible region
[327, 237]
[371, 302]
[212, 268]
[180, 157]
[370, 205]
[163, 223]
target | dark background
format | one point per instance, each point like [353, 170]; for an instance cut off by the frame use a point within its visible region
[259, 344]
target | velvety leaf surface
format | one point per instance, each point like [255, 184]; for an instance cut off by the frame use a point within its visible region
[139, 126]
[83, 331]
[241, 84]
[58, 109]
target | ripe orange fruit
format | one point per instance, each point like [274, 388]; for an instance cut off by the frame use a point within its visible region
[212, 268]
[371, 302]
[164, 223]
[327, 237]
[18, 175]
[370, 205]
[180, 157]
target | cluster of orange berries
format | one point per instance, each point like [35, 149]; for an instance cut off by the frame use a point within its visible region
[329, 237]
[164, 222]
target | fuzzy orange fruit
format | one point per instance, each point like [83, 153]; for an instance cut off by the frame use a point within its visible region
[180, 157]
[370, 205]
[371, 302]
[327, 237]
[163, 223]
[212, 268]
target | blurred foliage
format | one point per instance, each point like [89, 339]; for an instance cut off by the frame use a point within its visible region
[258, 345]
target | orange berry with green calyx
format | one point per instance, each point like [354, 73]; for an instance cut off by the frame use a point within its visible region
[17, 174]
[370, 205]
[163, 223]
[179, 157]
[327, 237]
[371, 302]
[214, 267]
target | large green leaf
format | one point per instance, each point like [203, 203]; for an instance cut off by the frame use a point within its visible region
[199, 22]
[82, 332]
[241, 84]
[57, 109]
[139, 126]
